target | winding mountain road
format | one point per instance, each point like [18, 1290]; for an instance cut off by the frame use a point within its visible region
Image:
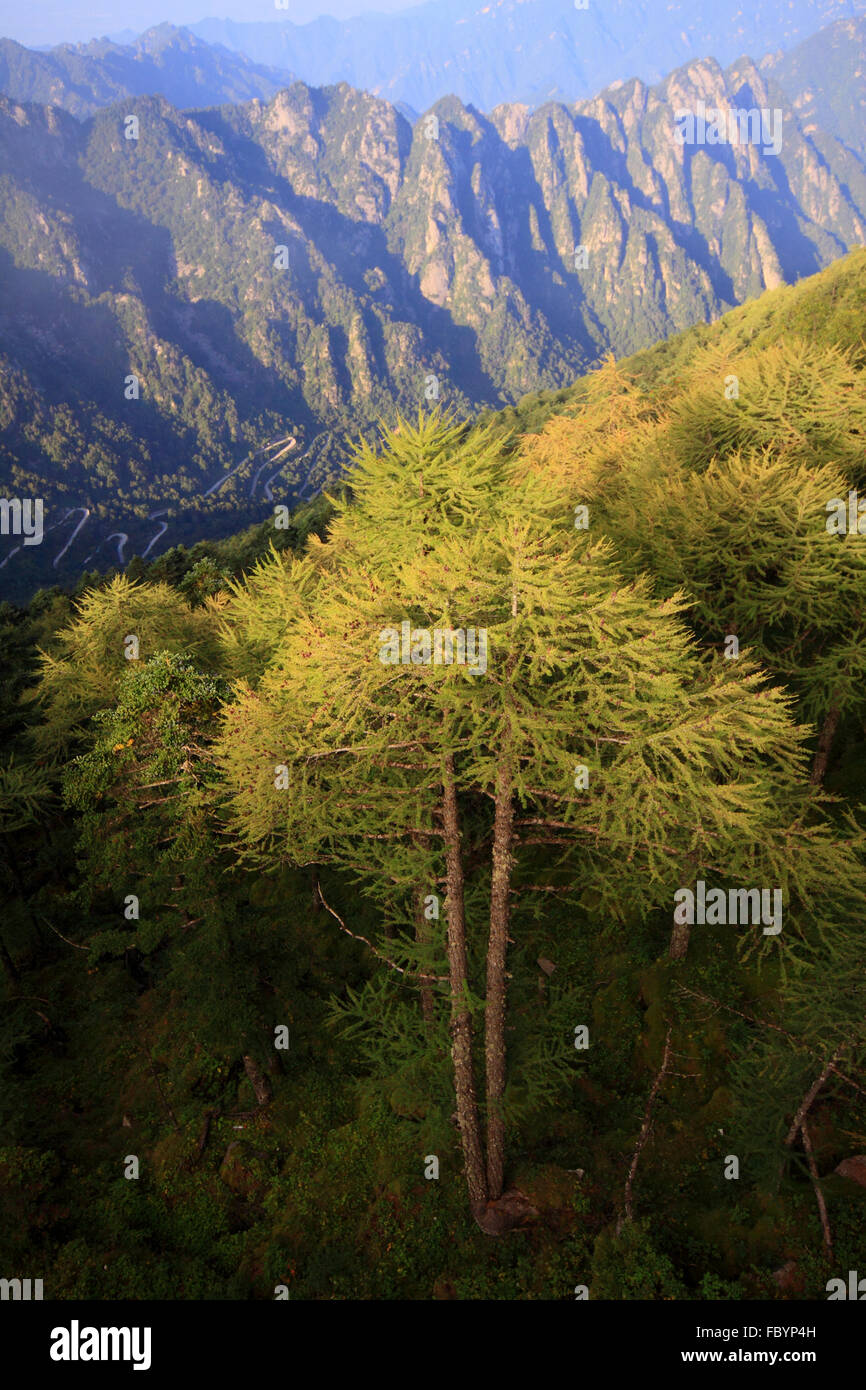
[274, 451]
[60, 554]
[161, 532]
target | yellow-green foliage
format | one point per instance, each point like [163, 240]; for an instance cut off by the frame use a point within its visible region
[83, 675]
[717, 483]
[260, 610]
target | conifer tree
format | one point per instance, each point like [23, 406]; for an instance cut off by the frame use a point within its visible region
[727, 499]
[595, 728]
[115, 625]
[748, 539]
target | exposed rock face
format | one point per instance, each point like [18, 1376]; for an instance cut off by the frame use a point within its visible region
[317, 260]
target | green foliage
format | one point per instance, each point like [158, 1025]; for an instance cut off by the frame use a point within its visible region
[155, 779]
[630, 1265]
[85, 675]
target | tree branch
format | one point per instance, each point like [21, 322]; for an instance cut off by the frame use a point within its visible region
[402, 970]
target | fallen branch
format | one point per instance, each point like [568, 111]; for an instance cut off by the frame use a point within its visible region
[800, 1126]
[810, 1098]
[647, 1124]
[819, 1195]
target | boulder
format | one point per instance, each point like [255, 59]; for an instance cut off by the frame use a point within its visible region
[512, 1209]
[853, 1168]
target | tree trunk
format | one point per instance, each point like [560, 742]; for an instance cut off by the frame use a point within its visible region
[461, 1018]
[422, 936]
[257, 1080]
[682, 931]
[494, 1018]
[825, 744]
[680, 940]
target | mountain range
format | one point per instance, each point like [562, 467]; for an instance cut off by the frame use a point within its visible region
[825, 77]
[165, 61]
[529, 51]
[256, 282]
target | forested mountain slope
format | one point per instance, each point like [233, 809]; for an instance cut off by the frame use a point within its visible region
[271, 277]
[209, 779]
[825, 78]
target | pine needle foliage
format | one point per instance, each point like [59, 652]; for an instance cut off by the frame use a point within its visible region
[85, 674]
[726, 501]
[695, 765]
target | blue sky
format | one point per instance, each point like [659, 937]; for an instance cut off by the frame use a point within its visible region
[41, 22]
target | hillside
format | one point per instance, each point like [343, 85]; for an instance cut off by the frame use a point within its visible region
[829, 307]
[410, 265]
[243, 989]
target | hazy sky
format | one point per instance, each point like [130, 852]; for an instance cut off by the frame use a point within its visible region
[41, 22]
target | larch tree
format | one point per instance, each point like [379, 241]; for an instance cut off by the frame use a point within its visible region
[115, 625]
[469, 681]
[734, 490]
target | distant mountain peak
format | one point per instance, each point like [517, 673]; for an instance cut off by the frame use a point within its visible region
[528, 51]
